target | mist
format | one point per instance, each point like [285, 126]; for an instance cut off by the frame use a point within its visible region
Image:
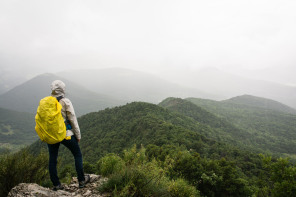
[171, 39]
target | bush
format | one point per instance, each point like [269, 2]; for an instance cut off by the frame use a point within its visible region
[110, 164]
[137, 180]
[140, 177]
[21, 167]
[89, 168]
[134, 156]
[181, 188]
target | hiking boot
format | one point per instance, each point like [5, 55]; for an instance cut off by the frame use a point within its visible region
[83, 183]
[58, 187]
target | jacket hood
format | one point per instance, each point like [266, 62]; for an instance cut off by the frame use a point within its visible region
[58, 88]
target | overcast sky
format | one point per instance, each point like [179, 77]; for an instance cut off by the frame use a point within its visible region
[150, 35]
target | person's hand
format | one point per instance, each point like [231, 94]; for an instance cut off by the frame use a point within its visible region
[78, 140]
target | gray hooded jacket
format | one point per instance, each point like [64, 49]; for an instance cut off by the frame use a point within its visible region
[58, 89]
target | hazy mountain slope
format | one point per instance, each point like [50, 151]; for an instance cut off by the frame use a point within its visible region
[285, 74]
[26, 96]
[271, 129]
[131, 85]
[228, 85]
[2, 88]
[258, 102]
[16, 129]
[9, 79]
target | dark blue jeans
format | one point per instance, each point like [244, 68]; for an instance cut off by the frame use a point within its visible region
[53, 149]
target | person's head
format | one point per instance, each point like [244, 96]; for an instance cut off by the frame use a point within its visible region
[58, 88]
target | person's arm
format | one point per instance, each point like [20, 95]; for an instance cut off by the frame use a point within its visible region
[72, 118]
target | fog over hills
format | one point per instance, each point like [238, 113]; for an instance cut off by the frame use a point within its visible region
[26, 96]
[131, 85]
[9, 80]
[283, 75]
[210, 83]
[228, 85]
[255, 41]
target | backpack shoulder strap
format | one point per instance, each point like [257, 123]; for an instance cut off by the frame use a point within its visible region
[59, 98]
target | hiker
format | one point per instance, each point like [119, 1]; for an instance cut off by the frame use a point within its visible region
[71, 141]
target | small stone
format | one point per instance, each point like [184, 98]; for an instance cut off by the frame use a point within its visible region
[88, 192]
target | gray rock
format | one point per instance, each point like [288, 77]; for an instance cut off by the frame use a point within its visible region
[32, 189]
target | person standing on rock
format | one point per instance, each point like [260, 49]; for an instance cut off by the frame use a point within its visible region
[71, 141]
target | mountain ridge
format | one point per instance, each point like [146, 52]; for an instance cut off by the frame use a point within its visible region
[131, 85]
[26, 97]
[272, 130]
[227, 85]
[259, 102]
[201, 115]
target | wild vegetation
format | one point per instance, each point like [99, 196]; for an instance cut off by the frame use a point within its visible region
[176, 149]
[22, 167]
[16, 130]
[271, 127]
[113, 130]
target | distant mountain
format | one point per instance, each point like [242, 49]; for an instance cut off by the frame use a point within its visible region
[26, 96]
[226, 85]
[16, 129]
[2, 89]
[272, 125]
[9, 78]
[285, 74]
[131, 85]
[259, 102]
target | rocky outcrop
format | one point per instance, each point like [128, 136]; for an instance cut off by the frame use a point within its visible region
[32, 189]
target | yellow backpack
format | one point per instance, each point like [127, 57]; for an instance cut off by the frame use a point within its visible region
[50, 125]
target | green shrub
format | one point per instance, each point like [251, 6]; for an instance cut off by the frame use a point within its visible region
[89, 168]
[181, 188]
[110, 164]
[115, 182]
[137, 180]
[21, 167]
[134, 156]
[141, 177]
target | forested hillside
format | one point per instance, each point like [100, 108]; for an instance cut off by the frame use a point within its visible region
[224, 131]
[177, 152]
[113, 130]
[16, 129]
[271, 125]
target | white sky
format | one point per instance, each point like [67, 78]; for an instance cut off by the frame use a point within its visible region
[150, 35]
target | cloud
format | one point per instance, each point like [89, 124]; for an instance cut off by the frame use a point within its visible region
[148, 35]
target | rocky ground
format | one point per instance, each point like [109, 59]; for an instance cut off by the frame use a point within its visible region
[32, 189]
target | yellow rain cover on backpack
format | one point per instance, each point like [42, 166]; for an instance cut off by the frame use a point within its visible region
[50, 125]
